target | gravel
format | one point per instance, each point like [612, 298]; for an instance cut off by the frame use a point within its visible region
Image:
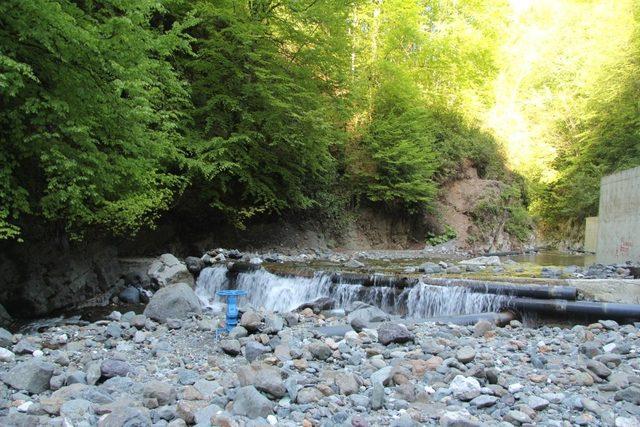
[281, 372]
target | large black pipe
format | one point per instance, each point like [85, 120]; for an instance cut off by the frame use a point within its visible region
[373, 279]
[471, 319]
[532, 291]
[601, 309]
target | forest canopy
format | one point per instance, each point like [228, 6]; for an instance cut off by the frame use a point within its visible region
[114, 113]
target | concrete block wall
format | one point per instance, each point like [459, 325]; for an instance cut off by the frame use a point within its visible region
[619, 218]
[591, 234]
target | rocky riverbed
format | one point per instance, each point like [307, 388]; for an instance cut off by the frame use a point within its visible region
[316, 367]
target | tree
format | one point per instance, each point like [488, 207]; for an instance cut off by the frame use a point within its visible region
[89, 114]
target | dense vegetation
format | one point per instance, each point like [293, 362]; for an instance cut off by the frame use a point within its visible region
[114, 113]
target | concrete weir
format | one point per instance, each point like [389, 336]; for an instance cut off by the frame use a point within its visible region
[426, 297]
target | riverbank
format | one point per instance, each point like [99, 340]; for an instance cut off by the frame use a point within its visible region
[278, 369]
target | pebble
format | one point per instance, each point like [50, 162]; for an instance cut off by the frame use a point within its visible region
[394, 373]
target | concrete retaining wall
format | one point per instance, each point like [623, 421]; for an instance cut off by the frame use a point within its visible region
[619, 218]
[591, 234]
[608, 290]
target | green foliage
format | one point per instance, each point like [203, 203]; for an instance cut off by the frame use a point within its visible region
[504, 210]
[600, 136]
[89, 113]
[115, 112]
[436, 239]
[263, 117]
[400, 148]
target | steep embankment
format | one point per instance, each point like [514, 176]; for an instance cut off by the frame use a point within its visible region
[481, 216]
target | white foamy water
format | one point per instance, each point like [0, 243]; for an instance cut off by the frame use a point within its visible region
[279, 293]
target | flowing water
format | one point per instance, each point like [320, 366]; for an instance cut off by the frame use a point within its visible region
[278, 293]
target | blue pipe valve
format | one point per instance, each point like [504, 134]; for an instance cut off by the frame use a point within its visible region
[232, 307]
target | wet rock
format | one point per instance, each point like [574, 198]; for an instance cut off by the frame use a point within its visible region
[194, 265]
[173, 302]
[168, 270]
[32, 376]
[130, 295]
[250, 403]
[389, 333]
[318, 305]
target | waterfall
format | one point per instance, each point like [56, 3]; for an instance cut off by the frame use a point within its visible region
[210, 281]
[277, 293]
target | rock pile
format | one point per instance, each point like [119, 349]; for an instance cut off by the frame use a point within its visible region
[311, 368]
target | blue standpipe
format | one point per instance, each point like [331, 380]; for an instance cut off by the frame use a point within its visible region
[232, 309]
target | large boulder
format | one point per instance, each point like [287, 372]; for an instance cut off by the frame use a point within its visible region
[389, 333]
[32, 376]
[194, 265]
[39, 278]
[318, 305]
[368, 315]
[168, 270]
[176, 301]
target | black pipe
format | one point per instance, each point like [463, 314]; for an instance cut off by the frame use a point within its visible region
[373, 279]
[533, 291]
[471, 319]
[602, 309]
